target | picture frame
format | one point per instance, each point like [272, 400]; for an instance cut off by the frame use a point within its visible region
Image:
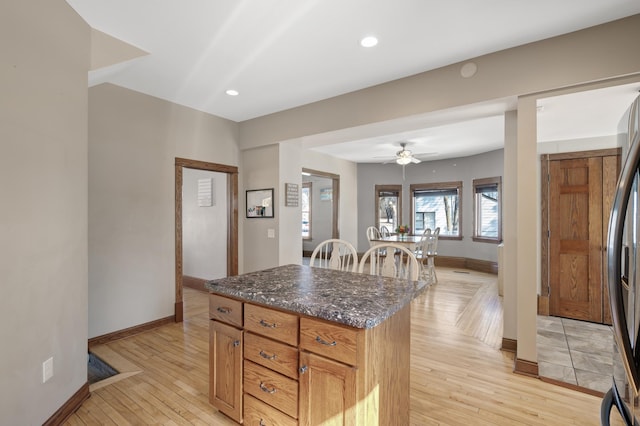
[326, 194]
[260, 203]
[292, 194]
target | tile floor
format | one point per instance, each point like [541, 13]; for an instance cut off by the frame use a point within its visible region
[575, 352]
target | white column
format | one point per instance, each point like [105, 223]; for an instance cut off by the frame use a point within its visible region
[509, 232]
[527, 212]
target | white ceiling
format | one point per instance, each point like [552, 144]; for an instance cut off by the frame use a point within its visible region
[280, 54]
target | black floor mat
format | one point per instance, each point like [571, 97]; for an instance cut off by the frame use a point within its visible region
[98, 369]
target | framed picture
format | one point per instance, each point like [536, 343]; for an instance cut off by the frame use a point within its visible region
[326, 194]
[259, 203]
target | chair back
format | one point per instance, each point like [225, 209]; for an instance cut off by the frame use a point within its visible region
[372, 234]
[433, 247]
[401, 264]
[335, 254]
[423, 245]
[384, 232]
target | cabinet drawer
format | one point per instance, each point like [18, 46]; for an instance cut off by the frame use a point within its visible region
[271, 354]
[257, 413]
[268, 386]
[274, 324]
[332, 341]
[226, 310]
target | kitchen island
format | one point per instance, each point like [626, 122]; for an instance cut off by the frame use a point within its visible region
[302, 345]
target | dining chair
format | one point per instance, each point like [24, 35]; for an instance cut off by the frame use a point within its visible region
[373, 234]
[384, 232]
[426, 251]
[335, 254]
[402, 265]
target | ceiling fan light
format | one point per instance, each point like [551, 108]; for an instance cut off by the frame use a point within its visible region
[403, 160]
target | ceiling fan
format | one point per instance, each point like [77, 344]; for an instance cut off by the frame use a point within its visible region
[404, 156]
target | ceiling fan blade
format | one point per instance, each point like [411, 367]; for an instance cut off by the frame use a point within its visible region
[415, 160]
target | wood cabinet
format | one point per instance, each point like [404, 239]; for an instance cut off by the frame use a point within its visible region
[292, 369]
[327, 392]
[225, 369]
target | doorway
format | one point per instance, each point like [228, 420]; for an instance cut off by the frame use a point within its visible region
[576, 199]
[231, 173]
[321, 221]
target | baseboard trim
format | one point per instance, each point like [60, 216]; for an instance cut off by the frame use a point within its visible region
[526, 368]
[509, 345]
[117, 335]
[194, 283]
[467, 263]
[178, 310]
[572, 387]
[543, 305]
[69, 407]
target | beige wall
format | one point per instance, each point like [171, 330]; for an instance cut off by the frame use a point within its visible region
[593, 54]
[290, 171]
[588, 55]
[260, 170]
[43, 222]
[348, 172]
[272, 167]
[134, 139]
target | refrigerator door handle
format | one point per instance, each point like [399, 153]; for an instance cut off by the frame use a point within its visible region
[612, 399]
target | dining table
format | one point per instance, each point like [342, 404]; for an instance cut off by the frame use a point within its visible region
[409, 241]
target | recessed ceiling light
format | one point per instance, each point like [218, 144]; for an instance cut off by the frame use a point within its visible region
[369, 41]
[232, 92]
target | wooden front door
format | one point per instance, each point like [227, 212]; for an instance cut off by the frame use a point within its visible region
[575, 238]
[579, 203]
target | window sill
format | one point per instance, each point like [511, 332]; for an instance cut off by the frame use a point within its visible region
[486, 240]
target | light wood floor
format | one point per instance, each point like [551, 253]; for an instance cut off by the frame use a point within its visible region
[459, 375]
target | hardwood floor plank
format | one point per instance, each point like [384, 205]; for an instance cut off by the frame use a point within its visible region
[118, 398]
[459, 376]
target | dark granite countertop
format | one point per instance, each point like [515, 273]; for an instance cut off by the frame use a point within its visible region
[357, 300]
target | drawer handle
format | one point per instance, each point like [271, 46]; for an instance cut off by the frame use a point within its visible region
[266, 389]
[223, 309]
[324, 342]
[266, 324]
[269, 357]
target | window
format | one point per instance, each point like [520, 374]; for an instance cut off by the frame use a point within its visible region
[306, 210]
[425, 220]
[487, 207]
[436, 205]
[388, 206]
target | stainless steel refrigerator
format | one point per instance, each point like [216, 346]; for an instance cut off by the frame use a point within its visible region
[623, 258]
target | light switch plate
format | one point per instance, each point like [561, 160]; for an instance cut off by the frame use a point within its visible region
[47, 370]
[271, 233]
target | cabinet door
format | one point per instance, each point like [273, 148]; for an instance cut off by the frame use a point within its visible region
[327, 392]
[225, 369]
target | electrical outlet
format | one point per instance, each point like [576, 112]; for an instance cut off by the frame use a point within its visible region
[47, 370]
[271, 233]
